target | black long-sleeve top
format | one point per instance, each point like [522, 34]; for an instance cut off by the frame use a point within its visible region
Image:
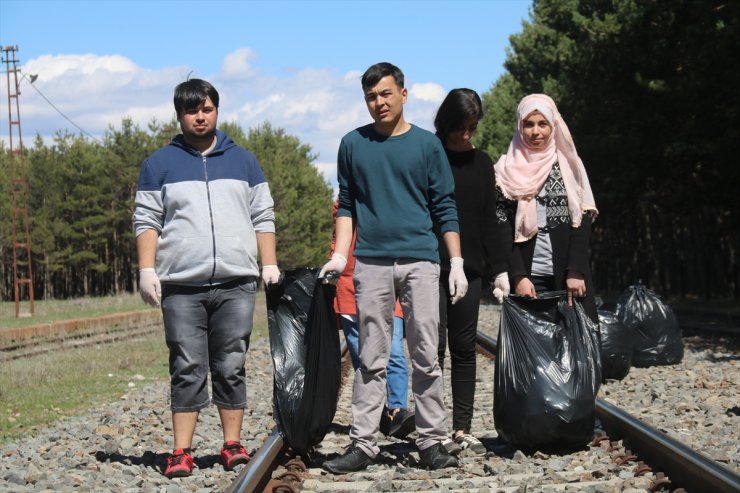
[484, 241]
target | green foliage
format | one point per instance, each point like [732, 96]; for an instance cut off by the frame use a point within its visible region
[81, 199]
[302, 197]
[499, 122]
[648, 90]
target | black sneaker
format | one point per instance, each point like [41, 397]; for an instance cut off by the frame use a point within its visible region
[352, 460]
[436, 457]
[385, 422]
[402, 423]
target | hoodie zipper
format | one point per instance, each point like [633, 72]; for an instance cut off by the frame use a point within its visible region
[210, 213]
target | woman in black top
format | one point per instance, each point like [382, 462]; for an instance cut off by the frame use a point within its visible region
[485, 244]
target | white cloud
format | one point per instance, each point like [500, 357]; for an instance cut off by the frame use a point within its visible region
[317, 105]
[428, 92]
[353, 76]
[328, 169]
[257, 110]
[50, 67]
[236, 64]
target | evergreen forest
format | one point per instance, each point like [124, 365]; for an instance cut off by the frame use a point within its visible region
[648, 88]
[81, 197]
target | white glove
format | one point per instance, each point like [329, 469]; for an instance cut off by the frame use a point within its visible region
[501, 287]
[149, 287]
[458, 282]
[337, 264]
[270, 274]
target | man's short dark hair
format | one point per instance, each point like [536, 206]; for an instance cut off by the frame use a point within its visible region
[372, 76]
[191, 93]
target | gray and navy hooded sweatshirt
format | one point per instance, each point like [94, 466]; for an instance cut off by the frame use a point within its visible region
[206, 210]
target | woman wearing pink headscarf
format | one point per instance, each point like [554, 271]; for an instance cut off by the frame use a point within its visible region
[552, 205]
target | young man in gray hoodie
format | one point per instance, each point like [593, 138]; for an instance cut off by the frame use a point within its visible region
[203, 213]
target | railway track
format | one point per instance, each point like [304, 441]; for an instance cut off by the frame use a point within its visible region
[122, 446]
[40, 339]
[625, 453]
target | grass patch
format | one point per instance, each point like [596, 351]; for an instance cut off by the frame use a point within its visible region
[46, 311]
[38, 390]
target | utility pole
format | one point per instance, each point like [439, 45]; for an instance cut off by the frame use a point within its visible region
[22, 271]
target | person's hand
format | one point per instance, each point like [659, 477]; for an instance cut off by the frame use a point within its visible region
[524, 287]
[270, 274]
[458, 281]
[575, 285]
[337, 264]
[501, 287]
[149, 287]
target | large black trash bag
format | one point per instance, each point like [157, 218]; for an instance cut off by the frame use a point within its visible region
[547, 374]
[304, 343]
[616, 346]
[655, 331]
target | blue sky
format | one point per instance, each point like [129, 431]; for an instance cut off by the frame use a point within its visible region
[295, 64]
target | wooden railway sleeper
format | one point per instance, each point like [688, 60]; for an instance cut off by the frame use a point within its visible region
[271, 484]
[284, 488]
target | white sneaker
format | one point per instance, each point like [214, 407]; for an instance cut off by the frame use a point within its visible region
[452, 447]
[468, 441]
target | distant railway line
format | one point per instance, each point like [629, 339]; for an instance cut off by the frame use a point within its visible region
[39, 339]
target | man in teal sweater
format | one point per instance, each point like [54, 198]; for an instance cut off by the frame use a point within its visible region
[394, 184]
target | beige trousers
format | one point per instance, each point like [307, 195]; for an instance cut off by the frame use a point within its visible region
[378, 281]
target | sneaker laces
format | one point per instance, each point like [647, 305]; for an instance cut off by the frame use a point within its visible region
[177, 458]
[233, 446]
[466, 440]
[233, 449]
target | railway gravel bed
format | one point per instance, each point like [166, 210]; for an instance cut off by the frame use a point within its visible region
[122, 447]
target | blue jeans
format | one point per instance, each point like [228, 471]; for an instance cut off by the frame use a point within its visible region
[397, 373]
[207, 329]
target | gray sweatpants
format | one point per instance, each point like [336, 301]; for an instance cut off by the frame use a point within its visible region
[378, 281]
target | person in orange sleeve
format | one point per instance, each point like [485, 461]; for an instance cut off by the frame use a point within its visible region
[396, 421]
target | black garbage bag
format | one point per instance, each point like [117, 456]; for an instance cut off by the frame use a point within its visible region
[304, 343]
[616, 346]
[654, 328]
[547, 373]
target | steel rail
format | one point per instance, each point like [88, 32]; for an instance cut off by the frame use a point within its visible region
[256, 474]
[685, 467]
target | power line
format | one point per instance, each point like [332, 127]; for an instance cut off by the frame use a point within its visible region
[31, 80]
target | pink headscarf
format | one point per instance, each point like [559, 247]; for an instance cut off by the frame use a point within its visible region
[522, 171]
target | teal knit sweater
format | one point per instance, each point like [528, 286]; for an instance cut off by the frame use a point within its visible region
[395, 188]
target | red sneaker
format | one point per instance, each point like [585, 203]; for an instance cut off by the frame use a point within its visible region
[179, 464]
[233, 454]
